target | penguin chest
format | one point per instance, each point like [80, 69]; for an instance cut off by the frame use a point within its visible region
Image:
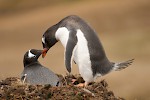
[62, 34]
[81, 54]
[82, 57]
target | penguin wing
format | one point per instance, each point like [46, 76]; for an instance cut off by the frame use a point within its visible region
[23, 75]
[71, 43]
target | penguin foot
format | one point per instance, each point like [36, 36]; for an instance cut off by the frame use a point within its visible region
[80, 85]
[77, 80]
[73, 81]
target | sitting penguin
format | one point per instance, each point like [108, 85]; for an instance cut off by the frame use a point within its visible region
[36, 74]
[82, 46]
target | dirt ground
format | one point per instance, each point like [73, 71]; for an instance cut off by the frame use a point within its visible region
[123, 28]
[12, 88]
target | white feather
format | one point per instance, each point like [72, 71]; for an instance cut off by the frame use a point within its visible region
[62, 34]
[82, 57]
[115, 66]
[30, 55]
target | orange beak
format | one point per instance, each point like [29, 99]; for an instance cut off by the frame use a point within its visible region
[44, 52]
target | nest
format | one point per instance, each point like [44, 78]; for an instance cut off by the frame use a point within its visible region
[12, 88]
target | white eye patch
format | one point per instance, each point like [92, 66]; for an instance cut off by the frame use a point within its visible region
[30, 55]
[43, 39]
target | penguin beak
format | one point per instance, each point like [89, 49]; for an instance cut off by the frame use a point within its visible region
[44, 52]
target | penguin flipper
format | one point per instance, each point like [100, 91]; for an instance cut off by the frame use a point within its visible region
[72, 41]
[23, 77]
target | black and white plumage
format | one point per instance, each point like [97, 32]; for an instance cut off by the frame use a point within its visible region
[82, 45]
[34, 72]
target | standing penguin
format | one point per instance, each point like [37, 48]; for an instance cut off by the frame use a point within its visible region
[34, 72]
[82, 45]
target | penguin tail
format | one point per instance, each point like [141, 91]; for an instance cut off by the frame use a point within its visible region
[122, 65]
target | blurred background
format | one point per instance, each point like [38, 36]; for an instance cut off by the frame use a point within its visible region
[122, 25]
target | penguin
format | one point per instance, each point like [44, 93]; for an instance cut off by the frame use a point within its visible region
[82, 46]
[36, 74]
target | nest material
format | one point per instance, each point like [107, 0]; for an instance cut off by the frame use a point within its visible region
[12, 88]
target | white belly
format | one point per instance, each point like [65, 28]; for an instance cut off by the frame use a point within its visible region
[81, 52]
[82, 57]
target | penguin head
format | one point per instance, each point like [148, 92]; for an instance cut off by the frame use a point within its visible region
[31, 56]
[49, 39]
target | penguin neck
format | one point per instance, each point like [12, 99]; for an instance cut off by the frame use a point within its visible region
[31, 64]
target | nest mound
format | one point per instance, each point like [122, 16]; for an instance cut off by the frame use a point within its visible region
[12, 88]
